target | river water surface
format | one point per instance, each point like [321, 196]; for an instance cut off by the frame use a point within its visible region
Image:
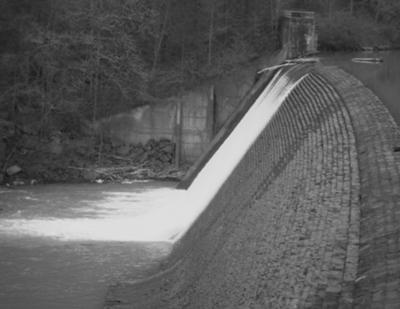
[382, 78]
[61, 246]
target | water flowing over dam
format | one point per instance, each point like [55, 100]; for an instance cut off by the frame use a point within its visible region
[298, 207]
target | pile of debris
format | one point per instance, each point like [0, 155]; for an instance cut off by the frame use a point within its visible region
[89, 160]
[154, 153]
[154, 160]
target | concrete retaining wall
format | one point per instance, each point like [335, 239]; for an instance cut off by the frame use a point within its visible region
[161, 121]
[141, 124]
[204, 111]
[308, 219]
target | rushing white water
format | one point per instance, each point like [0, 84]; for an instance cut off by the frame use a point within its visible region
[149, 215]
[227, 157]
[162, 214]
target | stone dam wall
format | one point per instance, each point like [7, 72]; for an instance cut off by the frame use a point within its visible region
[310, 218]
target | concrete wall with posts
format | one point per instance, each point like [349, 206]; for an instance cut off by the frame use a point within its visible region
[187, 120]
[190, 120]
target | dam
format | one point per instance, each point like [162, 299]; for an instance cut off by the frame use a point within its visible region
[305, 215]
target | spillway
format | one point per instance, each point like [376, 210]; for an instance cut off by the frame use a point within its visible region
[224, 160]
[299, 207]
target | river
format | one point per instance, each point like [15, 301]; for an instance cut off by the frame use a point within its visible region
[63, 245]
[382, 78]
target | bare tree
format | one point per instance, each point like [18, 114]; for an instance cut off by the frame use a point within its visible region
[211, 32]
[159, 42]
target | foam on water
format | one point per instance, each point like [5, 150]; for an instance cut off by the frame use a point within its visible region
[152, 215]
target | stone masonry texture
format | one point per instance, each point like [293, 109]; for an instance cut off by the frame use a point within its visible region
[377, 140]
[310, 218]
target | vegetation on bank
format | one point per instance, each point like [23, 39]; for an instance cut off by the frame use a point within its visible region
[66, 64]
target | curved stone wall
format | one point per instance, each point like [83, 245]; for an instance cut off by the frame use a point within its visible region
[308, 219]
[377, 283]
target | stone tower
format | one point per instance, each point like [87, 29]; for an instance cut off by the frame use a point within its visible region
[298, 35]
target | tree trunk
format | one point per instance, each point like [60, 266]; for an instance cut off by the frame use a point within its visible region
[94, 78]
[351, 7]
[272, 14]
[182, 61]
[211, 32]
[159, 42]
[378, 10]
[96, 85]
[275, 11]
[330, 8]
[278, 9]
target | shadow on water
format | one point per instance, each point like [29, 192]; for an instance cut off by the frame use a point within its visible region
[382, 78]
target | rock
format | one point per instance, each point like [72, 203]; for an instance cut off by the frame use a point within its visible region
[12, 170]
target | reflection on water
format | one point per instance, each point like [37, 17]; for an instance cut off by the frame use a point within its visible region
[382, 78]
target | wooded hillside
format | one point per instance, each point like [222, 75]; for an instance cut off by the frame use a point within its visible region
[67, 63]
[90, 58]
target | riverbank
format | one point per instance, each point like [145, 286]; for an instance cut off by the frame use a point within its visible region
[62, 159]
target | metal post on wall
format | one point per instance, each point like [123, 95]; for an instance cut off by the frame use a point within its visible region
[178, 134]
[211, 110]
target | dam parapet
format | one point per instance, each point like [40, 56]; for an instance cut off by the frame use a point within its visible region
[308, 218]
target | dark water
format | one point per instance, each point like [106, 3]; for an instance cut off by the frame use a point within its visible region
[382, 78]
[41, 269]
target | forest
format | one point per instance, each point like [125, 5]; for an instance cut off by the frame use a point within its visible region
[66, 64]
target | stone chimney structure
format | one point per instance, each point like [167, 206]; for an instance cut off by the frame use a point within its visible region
[298, 34]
